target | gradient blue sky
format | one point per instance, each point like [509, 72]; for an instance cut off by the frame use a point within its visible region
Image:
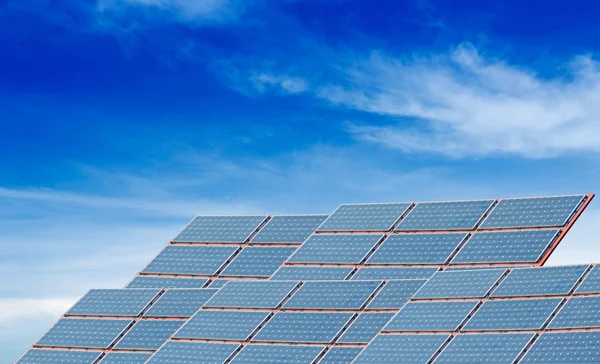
[122, 119]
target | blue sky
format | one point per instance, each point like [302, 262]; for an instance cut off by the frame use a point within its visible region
[122, 119]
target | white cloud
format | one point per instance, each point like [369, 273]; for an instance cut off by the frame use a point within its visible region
[14, 310]
[285, 83]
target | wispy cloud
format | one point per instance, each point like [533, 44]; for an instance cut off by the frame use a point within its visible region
[14, 310]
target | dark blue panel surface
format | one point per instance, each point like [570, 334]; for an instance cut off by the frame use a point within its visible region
[539, 281]
[165, 282]
[460, 284]
[219, 229]
[192, 353]
[578, 312]
[180, 302]
[252, 294]
[431, 316]
[277, 354]
[416, 248]
[289, 229]
[406, 349]
[452, 215]
[591, 283]
[125, 358]
[303, 327]
[149, 334]
[564, 348]
[512, 315]
[201, 260]
[290, 273]
[484, 348]
[45, 356]
[114, 302]
[364, 217]
[83, 333]
[340, 355]
[222, 325]
[395, 293]
[365, 327]
[349, 249]
[257, 261]
[332, 295]
[369, 274]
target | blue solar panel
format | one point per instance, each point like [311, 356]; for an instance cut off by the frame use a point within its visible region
[369, 274]
[193, 353]
[365, 327]
[406, 349]
[289, 229]
[202, 260]
[539, 281]
[303, 327]
[578, 312]
[257, 261]
[395, 293]
[457, 215]
[83, 333]
[364, 217]
[530, 212]
[218, 283]
[512, 315]
[349, 249]
[340, 355]
[506, 247]
[165, 282]
[114, 302]
[431, 316]
[220, 229]
[125, 358]
[591, 283]
[416, 248]
[277, 354]
[484, 348]
[460, 284]
[44, 356]
[222, 325]
[332, 295]
[180, 302]
[252, 294]
[290, 273]
[564, 348]
[149, 334]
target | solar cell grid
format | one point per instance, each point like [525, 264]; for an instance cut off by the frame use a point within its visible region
[166, 282]
[257, 261]
[416, 248]
[578, 312]
[364, 217]
[193, 353]
[484, 348]
[410, 349]
[222, 325]
[395, 294]
[219, 229]
[277, 354]
[591, 283]
[200, 260]
[348, 249]
[539, 281]
[291, 273]
[114, 302]
[332, 295]
[431, 316]
[303, 327]
[365, 327]
[83, 333]
[218, 283]
[44, 356]
[252, 294]
[149, 334]
[454, 215]
[460, 284]
[512, 315]
[125, 358]
[180, 302]
[340, 355]
[289, 229]
[564, 348]
[381, 273]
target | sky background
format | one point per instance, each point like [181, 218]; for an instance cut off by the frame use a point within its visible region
[122, 119]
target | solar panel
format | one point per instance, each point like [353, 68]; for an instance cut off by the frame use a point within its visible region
[180, 302]
[291, 273]
[460, 284]
[114, 302]
[578, 312]
[277, 354]
[364, 217]
[591, 283]
[222, 325]
[368, 274]
[532, 212]
[484, 348]
[149, 334]
[564, 348]
[395, 293]
[332, 295]
[512, 315]
[252, 294]
[125, 358]
[289, 229]
[303, 327]
[257, 261]
[193, 353]
[83, 333]
[219, 229]
[431, 316]
[410, 349]
[166, 282]
[506, 247]
[202, 260]
[457, 215]
[539, 281]
[416, 248]
[44, 356]
[365, 327]
[218, 283]
[340, 355]
[349, 249]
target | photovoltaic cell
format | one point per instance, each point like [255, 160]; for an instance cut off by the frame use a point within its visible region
[303, 327]
[218, 283]
[257, 261]
[365, 327]
[416, 248]
[289, 229]
[193, 353]
[202, 260]
[539, 281]
[165, 282]
[458, 215]
[125, 358]
[368, 274]
[83, 333]
[506, 247]
[340, 355]
[578, 312]
[332, 295]
[44, 356]
[531, 212]
[460, 284]
[220, 229]
[291, 273]
[349, 249]
[431, 316]
[564, 348]
[277, 354]
[364, 217]
[180, 302]
[484, 348]
[406, 349]
[395, 293]
[149, 334]
[222, 325]
[512, 315]
[114, 302]
[591, 283]
[252, 294]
